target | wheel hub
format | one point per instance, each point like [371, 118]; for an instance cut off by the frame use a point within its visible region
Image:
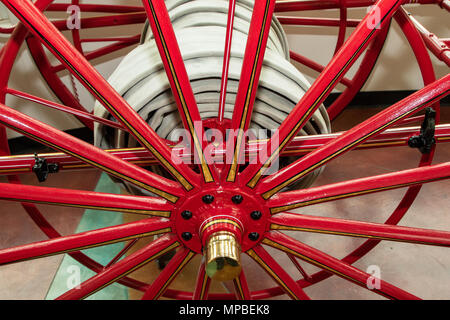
[221, 223]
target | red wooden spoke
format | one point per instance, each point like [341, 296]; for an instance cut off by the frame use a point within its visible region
[181, 87]
[320, 89]
[76, 37]
[406, 23]
[64, 108]
[170, 272]
[50, 232]
[360, 77]
[298, 266]
[249, 81]
[416, 119]
[376, 124]
[353, 256]
[263, 258]
[313, 21]
[122, 252]
[86, 199]
[119, 45]
[241, 287]
[112, 39]
[226, 61]
[202, 284]
[403, 19]
[322, 260]
[438, 47]
[301, 5]
[372, 53]
[342, 227]
[298, 147]
[58, 87]
[393, 219]
[183, 295]
[42, 28]
[85, 240]
[85, 7]
[389, 138]
[100, 52]
[342, 25]
[86, 152]
[306, 5]
[315, 66]
[48, 71]
[105, 21]
[304, 197]
[122, 268]
[315, 150]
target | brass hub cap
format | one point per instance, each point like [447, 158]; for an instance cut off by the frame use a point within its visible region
[223, 256]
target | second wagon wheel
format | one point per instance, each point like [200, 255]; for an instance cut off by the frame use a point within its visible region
[213, 209]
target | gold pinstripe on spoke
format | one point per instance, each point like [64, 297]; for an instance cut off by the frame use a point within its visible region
[198, 147]
[233, 169]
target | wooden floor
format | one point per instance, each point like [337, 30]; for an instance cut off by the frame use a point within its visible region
[422, 270]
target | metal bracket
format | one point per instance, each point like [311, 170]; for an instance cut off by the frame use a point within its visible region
[425, 141]
[41, 168]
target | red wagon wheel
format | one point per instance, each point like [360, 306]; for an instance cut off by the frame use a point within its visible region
[220, 210]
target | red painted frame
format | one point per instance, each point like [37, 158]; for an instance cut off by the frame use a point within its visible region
[187, 184]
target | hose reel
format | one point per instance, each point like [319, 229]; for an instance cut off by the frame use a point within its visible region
[200, 28]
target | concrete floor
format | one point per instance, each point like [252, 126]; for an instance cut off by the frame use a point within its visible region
[421, 270]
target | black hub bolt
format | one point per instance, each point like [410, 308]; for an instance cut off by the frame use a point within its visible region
[253, 236]
[256, 215]
[186, 236]
[208, 199]
[237, 199]
[186, 215]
